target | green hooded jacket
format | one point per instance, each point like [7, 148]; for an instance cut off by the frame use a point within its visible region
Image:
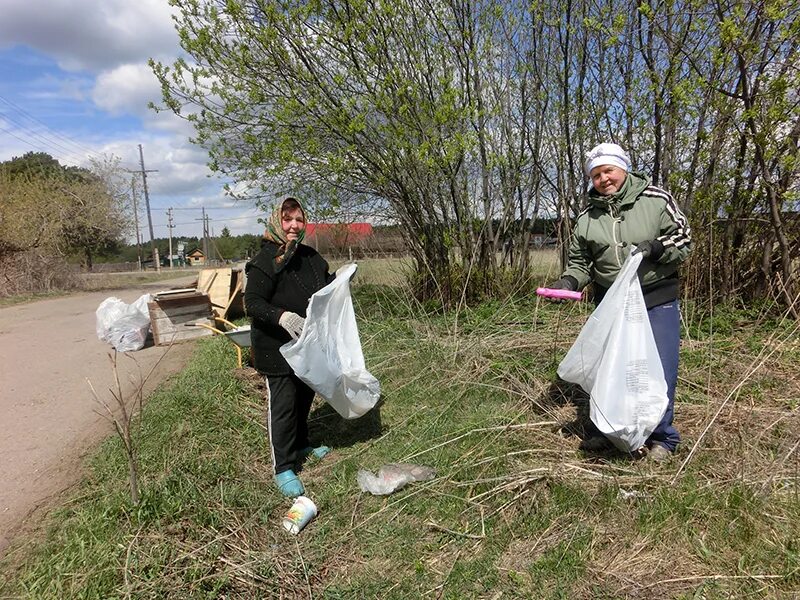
[611, 226]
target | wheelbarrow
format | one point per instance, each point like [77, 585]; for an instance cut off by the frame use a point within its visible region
[239, 336]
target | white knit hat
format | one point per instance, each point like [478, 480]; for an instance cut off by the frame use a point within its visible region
[607, 154]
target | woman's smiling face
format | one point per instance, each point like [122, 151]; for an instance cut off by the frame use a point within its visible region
[607, 179]
[292, 223]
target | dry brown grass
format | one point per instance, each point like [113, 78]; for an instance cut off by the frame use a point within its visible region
[740, 430]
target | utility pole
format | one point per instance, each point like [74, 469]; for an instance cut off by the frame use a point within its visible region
[169, 228]
[136, 221]
[144, 173]
[210, 234]
[204, 219]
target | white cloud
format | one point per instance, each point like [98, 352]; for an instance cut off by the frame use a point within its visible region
[90, 35]
[96, 103]
[180, 167]
[126, 89]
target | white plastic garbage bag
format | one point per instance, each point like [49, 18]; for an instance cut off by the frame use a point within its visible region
[124, 326]
[615, 360]
[328, 356]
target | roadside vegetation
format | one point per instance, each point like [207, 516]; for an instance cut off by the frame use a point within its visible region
[95, 282]
[109, 281]
[516, 511]
[466, 123]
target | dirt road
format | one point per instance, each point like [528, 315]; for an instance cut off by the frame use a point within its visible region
[48, 418]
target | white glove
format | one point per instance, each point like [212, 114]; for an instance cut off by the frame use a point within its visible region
[293, 323]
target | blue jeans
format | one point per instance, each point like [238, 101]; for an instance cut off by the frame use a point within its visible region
[665, 320]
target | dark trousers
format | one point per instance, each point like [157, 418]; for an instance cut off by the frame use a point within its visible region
[288, 406]
[665, 321]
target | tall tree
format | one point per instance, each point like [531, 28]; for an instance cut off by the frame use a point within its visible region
[400, 101]
[466, 120]
[61, 210]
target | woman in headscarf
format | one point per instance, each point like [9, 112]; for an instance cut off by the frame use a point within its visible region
[280, 281]
[625, 211]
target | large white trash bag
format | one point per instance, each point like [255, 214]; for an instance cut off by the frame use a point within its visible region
[328, 356]
[124, 326]
[615, 360]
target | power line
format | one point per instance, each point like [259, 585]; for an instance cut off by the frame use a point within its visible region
[43, 145]
[52, 131]
[220, 220]
[206, 208]
[46, 137]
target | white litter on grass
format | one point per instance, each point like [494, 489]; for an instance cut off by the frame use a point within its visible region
[392, 477]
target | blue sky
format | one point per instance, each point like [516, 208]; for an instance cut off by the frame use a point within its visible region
[74, 83]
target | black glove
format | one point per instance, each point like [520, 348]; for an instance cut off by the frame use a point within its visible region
[652, 249]
[568, 282]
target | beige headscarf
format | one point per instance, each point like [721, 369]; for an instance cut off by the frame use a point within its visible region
[275, 234]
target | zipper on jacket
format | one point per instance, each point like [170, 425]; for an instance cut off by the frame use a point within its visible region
[614, 223]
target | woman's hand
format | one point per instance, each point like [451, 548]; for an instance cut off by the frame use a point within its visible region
[565, 283]
[292, 323]
[652, 249]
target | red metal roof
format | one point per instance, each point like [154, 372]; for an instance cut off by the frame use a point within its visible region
[351, 231]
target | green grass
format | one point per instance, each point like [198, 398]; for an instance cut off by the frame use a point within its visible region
[516, 511]
[378, 271]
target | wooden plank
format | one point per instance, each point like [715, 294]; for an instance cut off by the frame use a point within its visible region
[168, 323]
[180, 335]
[174, 319]
[181, 291]
[220, 290]
[205, 278]
[235, 308]
[181, 314]
[200, 305]
[198, 302]
[236, 290]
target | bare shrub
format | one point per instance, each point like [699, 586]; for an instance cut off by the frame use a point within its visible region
[32, 272]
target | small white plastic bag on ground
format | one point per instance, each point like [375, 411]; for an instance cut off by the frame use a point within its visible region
[124, 326]
[328, 355]
[615, 360]
[392, 477]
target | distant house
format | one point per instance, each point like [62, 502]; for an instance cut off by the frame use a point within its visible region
[196, 257]
[337, 235]
[540, 240]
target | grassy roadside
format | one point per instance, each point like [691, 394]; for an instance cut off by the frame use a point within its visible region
[108, 281]
[381, 271]
[515, 512]
[96, 282]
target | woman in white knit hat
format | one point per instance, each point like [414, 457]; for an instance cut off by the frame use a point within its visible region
[625, 211]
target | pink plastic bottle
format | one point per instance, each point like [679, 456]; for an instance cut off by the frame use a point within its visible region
[558, 294]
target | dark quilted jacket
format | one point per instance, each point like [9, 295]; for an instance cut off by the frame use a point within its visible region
[268, 295]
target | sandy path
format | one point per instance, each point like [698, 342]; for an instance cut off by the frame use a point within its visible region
[48, 418]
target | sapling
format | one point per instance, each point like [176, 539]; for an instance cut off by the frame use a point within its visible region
[122, 418]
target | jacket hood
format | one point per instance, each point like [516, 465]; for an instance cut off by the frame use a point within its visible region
[635, 183]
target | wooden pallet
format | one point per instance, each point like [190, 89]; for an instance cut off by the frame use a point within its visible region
[174, 316]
